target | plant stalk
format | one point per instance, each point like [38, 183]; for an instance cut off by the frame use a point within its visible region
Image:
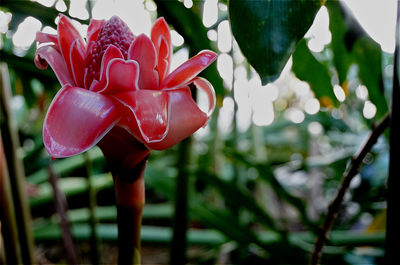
[180, 221]
[352, 170]
[95, 242]
[127, 159]
[61, 206]
[7, 215]
[15, 169]
[130, 201]
[393, 199]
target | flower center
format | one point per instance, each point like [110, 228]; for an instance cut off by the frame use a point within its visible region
[114, 32]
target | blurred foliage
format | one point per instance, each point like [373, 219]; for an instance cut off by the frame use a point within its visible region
[255, 194]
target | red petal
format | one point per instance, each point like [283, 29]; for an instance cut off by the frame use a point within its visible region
[188, 70]
[206, 87]
[45, 38]
[150, 111]
[184, 119]
[94, 29]
[142, 51]
[121, 76]
[46, 55]
[161, 38]
[76, 120]
[112, 52]
[67, 34]
[77, 58]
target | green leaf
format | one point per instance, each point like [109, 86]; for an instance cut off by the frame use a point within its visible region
[238, 196]
[308, 68]
[267, 31]
[71, 186]
[337, 26]
[368, 55]
[351, 44]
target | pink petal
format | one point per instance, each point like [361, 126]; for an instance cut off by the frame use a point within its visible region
[150, 114]
[184, 119]
[111, 52]
[46, 55]
[121, 76]
[204, 86]
[47, 38]
[161, 39]
[188, 70]
[77, 58]
[94, 29]
[76, 120]
[143, 52]
[67, 34]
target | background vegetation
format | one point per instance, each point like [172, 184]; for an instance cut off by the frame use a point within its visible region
[256, 182]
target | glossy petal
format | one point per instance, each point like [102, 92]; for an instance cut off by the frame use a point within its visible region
[112, 52]
[188, 70]
[150, 111]
[46, 55]
[47, 38]
[161, 38]
[76, 120]
[205, 87]
[143, 52]
[94, 29]
[184, 119]
[67, 34]
[77, 58]
[121, 76]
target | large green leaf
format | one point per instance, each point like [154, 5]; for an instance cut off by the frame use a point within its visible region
[267, 31]
[351, 44]
[308, 68]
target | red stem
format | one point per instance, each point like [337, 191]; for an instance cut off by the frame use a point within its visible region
[127, 159]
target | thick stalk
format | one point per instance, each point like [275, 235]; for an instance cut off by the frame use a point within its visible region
[130, 201]
[15, 169]
[393, 199]
[127, 159]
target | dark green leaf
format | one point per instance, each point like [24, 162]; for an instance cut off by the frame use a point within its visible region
[267, 31]
[308, 68]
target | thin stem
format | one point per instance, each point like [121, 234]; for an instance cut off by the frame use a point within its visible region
[94, 238]
[7, 215]
[351, 171]
[60, 203]
[393, 219]
[15, 169]
[180, 222]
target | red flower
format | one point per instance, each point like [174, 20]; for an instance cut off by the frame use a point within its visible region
[117, 79]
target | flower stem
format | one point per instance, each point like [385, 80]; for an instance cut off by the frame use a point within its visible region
[127, 159]
[130, 201]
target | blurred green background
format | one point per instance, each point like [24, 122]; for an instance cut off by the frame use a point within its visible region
[262, 172]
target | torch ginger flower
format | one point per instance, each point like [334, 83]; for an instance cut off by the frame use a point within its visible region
[116, 80]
